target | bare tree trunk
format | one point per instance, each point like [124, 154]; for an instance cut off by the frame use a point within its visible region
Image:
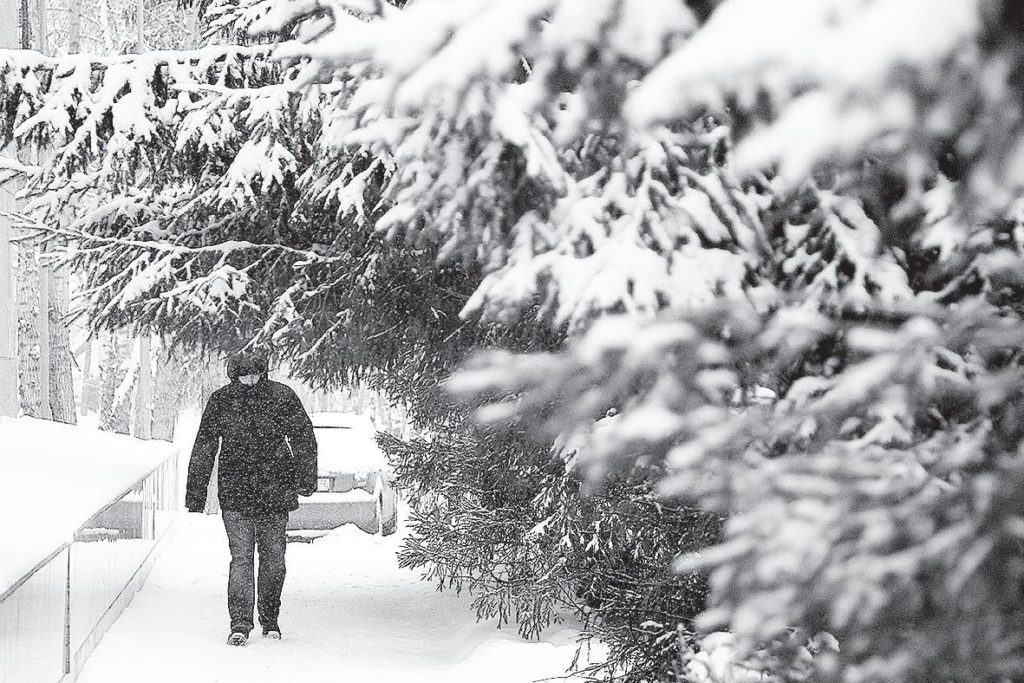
[165, 408]
[43, 325]
[62, 392]
[34, 313]
[144, 392]
[9, 38]
[75, 27]
[8, 318]
[26, 26]
[43, 26]
[34, 333]
[168, 393]
[90, 387]
[87, 360]
[140, 10]
[61, 385]
[9, 367]
[115, 411]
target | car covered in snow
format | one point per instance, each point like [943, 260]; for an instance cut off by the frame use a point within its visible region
[354, 480]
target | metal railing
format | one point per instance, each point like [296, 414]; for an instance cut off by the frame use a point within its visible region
[54, 616]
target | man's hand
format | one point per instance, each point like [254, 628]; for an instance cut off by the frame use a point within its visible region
[307, 492]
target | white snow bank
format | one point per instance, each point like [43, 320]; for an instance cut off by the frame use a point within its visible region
[53, 478]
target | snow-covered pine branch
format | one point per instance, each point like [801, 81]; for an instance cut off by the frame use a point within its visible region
[510, 151]
[850, 496]
[181, 164]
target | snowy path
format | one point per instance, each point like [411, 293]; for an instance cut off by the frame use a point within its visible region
[348, 614]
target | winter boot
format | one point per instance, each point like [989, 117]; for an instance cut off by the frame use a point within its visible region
[238, 638]
[272, 632]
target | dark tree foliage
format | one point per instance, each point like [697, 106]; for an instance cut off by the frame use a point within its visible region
[496, 515]
[180, 238]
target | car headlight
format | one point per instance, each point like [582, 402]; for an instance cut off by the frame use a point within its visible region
[324, 483]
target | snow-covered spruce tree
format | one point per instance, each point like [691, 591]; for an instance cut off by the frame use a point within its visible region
[505, 153]
[494, 513]
[875, 493]
[581, 234]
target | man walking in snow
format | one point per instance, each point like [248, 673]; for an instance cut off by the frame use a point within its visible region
[268, 457]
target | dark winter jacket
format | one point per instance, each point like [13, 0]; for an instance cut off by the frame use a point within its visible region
[268, 452]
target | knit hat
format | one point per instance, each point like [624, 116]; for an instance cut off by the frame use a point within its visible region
[246, 363]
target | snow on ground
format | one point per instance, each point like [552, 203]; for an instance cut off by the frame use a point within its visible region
[53, 478]
[348, 613]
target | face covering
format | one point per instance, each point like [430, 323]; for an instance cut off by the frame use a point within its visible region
[249, 380]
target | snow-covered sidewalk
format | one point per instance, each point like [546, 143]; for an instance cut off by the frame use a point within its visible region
[348, 613]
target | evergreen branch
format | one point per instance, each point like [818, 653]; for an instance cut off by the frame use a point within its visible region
[27, 223]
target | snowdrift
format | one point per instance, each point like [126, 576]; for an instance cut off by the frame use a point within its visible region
[54, 478]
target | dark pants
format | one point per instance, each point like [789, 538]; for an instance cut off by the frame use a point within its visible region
[245, 535]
